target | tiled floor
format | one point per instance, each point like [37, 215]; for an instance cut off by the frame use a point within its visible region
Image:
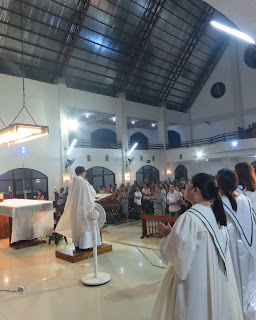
[54, 289]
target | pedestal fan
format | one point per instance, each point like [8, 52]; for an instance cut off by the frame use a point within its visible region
[98, 218]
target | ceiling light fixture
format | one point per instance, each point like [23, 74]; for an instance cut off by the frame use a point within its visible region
[71, 147]
[199, 154]
[232, 31]
[18, 132]
[234, 143]
[133, 147]
[114, 119]
[153, 124]
[86, 115]
[72, 125]
[133, 122]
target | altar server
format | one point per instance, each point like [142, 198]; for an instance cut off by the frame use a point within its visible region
[76, 219]
[242, 233]
[199, 282]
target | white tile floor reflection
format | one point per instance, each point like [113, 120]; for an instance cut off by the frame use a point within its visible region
[54, 290]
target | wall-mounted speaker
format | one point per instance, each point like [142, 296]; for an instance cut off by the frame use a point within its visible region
[106, 158]
[88, 158]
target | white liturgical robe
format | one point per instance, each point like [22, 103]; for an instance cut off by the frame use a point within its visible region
[76, 221]
[251, 195]
[242, 233]
[199, 282]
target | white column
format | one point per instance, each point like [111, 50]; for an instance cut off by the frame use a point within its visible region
[122, 132]
[226, 163]
[162, 126]
[64, 135]
[190, 125]
[236, 85]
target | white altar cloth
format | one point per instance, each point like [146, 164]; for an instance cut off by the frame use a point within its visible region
[30, 218]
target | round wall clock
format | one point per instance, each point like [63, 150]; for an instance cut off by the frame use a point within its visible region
[218, 89]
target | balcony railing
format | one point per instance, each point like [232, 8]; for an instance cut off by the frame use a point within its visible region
[101, 145]
[207, 141]
[148, 146]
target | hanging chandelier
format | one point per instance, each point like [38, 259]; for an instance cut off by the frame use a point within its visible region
[19, 132]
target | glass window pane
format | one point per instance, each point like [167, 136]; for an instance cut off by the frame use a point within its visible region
[97, 170]
[18, 174]
[7, 175]
[4, 185]
[98, 181]
[109, 179]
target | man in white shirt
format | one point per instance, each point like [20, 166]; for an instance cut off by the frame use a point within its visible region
[137, 199]
[173, 200]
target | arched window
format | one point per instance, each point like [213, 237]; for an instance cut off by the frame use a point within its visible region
[141, 139]
[103, 138]
[181, 172]
[148, 173]
[174, 139]
[24, 183]
[100, 176]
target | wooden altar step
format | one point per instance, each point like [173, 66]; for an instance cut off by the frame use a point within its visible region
[73, 255]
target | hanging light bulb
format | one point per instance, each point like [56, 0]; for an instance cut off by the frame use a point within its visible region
[18, 132]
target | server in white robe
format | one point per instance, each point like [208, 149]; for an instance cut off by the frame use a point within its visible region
[199, 282]
[76, 221]
[242, 233]
[246, 181]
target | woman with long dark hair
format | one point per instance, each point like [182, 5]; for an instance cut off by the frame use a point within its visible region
[199, 282]
[242, 233]
[246, 181]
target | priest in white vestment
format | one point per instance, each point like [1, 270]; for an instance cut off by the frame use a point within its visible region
[199, 283]
[242, 232]
[76, 221]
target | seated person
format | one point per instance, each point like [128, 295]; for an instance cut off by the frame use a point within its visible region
[40, 195]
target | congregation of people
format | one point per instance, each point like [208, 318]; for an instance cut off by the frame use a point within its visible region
[158, 198]
[211, 248]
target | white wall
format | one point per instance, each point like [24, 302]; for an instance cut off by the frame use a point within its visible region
[49, 105]
[42, 101]
[237, 107]
[220, 155]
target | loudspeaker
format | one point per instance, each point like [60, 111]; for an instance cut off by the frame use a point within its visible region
[88, 158]
[106, 158]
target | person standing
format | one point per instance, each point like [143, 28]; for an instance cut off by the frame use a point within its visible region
[137, 199]
[242, 233]
[173, 200]
[247, 181]
[199, 283]
[124, 199]
[76, 218]
[146, 194]
[184, 204]
[158, 202]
